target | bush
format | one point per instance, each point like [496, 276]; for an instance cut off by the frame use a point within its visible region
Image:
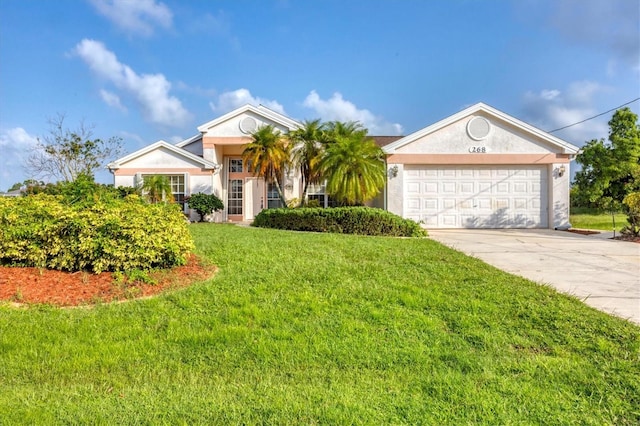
[84, 191]
[204, 204]
[344, 220]
[632, 204]
[124, 234]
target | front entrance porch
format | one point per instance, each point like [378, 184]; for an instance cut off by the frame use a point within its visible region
[245, 194]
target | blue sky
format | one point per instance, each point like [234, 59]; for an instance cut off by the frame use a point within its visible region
[145, 70]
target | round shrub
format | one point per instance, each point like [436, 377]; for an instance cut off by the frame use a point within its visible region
[345, 220]
[44, 231]
[204, 204]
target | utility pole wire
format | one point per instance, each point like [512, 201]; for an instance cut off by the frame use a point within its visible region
[591, 118]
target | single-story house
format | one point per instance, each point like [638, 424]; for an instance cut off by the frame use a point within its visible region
[479, 168]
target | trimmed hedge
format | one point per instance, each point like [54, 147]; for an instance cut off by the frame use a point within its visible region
[44, 231]
[342, 220]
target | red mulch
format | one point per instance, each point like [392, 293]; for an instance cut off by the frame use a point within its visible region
[35, 285]
[582, 231]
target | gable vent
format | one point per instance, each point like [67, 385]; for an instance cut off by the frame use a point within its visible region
[248, 125]
[478, 128]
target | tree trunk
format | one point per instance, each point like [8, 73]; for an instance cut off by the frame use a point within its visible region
[305, 188]
[280, 193]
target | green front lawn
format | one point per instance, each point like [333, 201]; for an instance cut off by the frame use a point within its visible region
[583, 218]
[322, 329]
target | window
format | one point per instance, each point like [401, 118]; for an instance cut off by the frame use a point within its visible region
[273, 199]
[235, 165]
[234, 203]
[177, 184]
[316, 194]
[177, 188]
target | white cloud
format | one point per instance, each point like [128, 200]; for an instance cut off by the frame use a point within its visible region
[135, 16]
[17, 138]
[229, 101]
[549, 94]
[553, 109]
[112, 99]
[16, 145]
[338, 109]
[151, 91]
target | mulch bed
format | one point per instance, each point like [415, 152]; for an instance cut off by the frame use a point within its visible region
[582, 231]
[58, 288]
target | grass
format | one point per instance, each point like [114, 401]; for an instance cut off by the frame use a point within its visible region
[585, 218]
[324, 329]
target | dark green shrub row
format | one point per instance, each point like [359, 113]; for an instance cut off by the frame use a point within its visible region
[344, 220]
[45, 231]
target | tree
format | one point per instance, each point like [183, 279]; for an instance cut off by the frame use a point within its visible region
[64, 154]
[83, 191]
[354, 168]
[204, 204]
[610, 170]
[269, 155]
[157, 188]
[307, 146]
[347, 129]
[25, 184]
[15, 186]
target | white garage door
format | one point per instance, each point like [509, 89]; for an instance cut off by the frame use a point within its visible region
[477, 196]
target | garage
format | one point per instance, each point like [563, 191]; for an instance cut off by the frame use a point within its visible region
[509, 196]
[480, 168]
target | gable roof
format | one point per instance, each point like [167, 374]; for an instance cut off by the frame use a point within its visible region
[383, 141]
[162, 144]
[260, 110]
[566, 147]
[189, 140]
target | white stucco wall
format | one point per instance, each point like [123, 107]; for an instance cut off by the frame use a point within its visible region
[560, 201]
[161, 158]
[395, 189]
[199, 184]
[123, 181]
[453, 139]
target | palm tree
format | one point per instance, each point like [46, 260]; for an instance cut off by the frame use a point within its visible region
[354, 168]
[269, 155]
[307, 146]
[157, 188]
[347, 129]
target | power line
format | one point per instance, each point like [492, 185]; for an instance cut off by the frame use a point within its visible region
[595, 116]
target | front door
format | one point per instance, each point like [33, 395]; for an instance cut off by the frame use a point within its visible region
[254, 200]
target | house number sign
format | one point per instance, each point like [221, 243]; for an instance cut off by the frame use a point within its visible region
[478, 149]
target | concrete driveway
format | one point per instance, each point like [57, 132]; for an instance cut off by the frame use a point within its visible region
[603, 273]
